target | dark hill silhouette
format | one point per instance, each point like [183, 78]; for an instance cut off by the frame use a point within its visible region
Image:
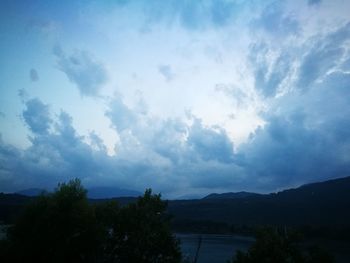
[324, 204]
[318, 204]
[31, 192]
[231, 195]
[101, 192]
[111, 192]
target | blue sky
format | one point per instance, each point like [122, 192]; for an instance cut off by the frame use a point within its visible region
[186, 97]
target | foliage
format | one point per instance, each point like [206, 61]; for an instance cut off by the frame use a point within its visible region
[58, 227]
[64, 227]
[141, 232]
[279, 245]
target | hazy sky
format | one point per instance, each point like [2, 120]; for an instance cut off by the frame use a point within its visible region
[185, 96]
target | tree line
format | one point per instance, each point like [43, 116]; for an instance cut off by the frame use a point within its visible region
[64, 227]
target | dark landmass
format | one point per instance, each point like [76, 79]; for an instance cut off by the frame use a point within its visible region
[31, 192]
[101, 192]
[110, 192]
[231, 195]
[318, 209]
[323, 203]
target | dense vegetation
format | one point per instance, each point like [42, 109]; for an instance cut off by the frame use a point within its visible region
[64, 227]
[274, 245]
[316, 210]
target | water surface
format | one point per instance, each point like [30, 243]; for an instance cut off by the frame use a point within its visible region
[214, 248]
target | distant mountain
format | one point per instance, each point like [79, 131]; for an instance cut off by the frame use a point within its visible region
[110, 192]
[31, 192]
[93, 193]
[317, 204]
[231, 195]
[331, 191]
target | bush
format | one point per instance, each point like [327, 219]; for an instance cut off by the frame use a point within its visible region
[64, 227]
[279, 245]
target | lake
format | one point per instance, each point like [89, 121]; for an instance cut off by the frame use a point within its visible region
[214, 248]
[220, 248]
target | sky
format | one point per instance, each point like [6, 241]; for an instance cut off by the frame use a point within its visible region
[187, 97]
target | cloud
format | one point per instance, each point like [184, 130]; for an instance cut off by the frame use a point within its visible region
[37, 116]
[269, 73]
[306, 137]
[56, 153]
[210, 143]
[323, 56]
[314, 2]
[23, 95]
[33, 74]
[346, 65]
[190, 15]
[222, 11]
[166, 71]
[296, 78]
[276, 22]
[88, 74]
[121, 116]
[97, 142]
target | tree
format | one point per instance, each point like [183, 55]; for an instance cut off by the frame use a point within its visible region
[58, 227]
[64, 227]
[279, 245]
[141, 233]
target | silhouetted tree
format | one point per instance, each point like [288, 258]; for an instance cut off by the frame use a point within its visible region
[64, 227]
[279, 245]
[58, 227]
[141, 233]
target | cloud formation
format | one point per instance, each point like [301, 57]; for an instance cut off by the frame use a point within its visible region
[83, 70]
[37, 116]
[232, 65]
[323, 56]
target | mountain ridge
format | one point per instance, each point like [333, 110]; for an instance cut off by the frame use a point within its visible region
[98, 192]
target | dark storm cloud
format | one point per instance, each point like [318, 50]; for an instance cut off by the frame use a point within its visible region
[97, 142]
[83, 70]
[307, 140]
[209, 143]
[56, 153]
[152, 152]
[323, 56]
[167, 137]
[121, 116]
[37, 116]
[306, 136]
[268, 78]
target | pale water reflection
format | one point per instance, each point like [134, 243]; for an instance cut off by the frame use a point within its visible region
[214, 248]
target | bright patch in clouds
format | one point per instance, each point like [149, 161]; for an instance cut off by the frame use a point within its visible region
[186, 97]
